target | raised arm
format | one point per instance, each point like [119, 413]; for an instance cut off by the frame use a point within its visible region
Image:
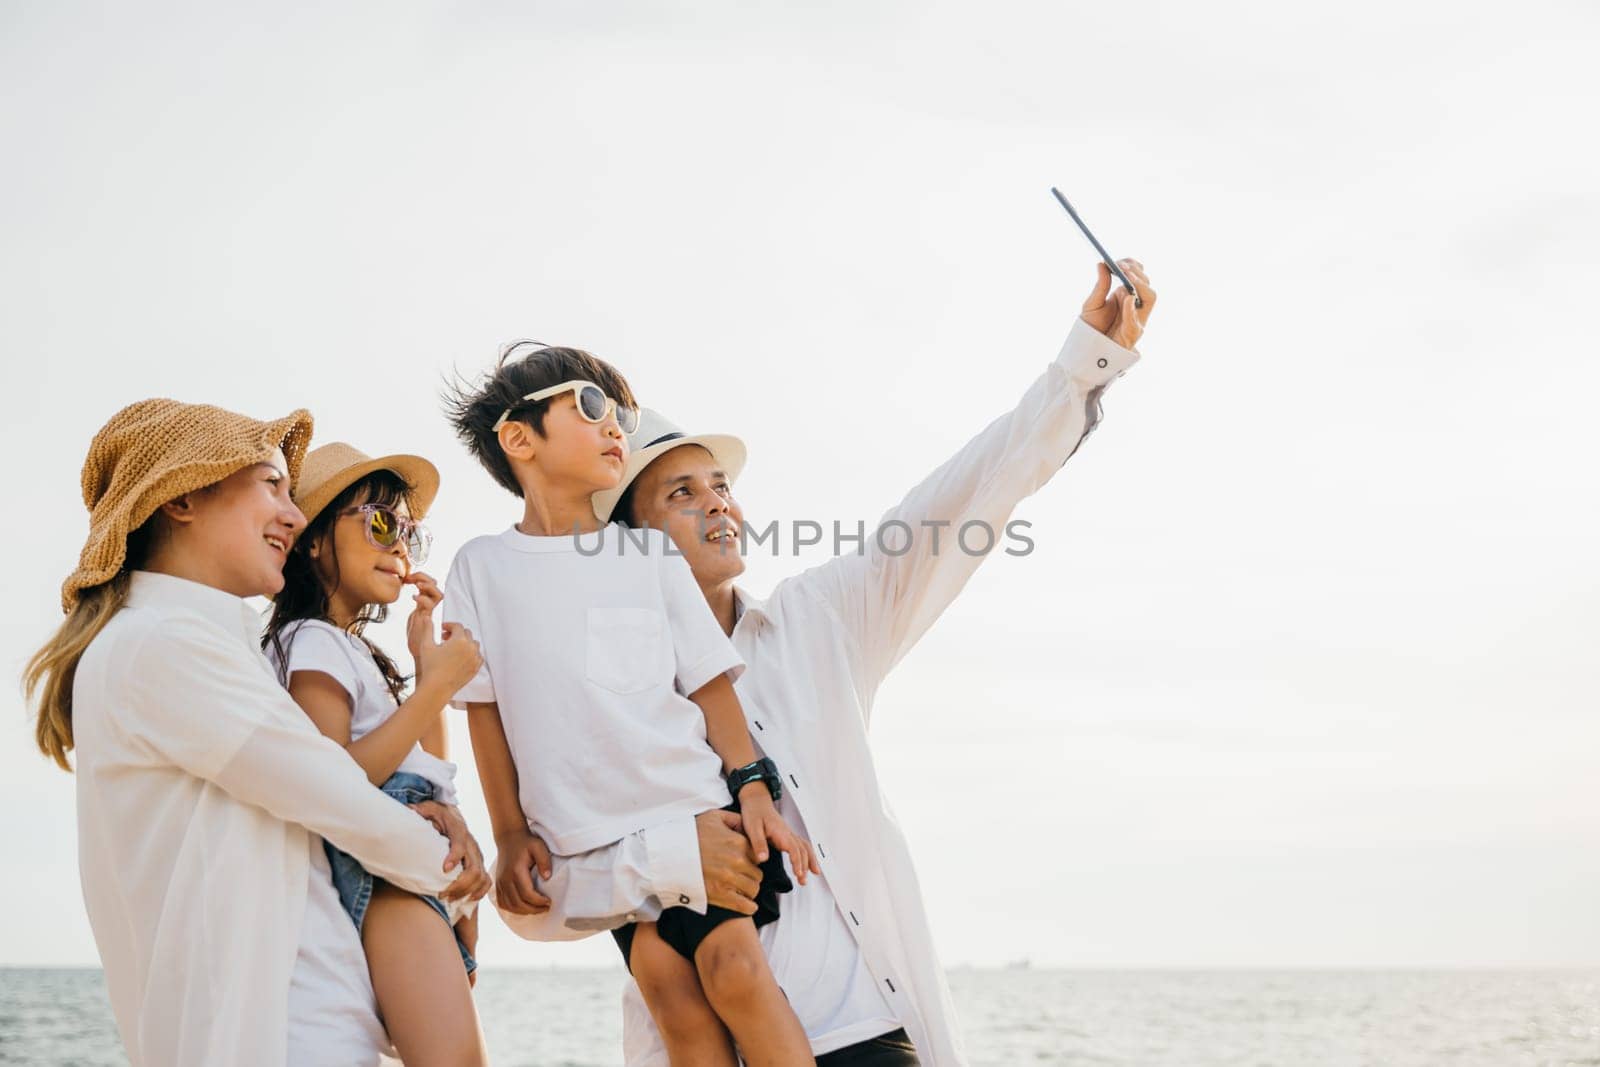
[218, 715]
[926, 547]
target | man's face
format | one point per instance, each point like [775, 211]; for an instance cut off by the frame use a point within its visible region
[685, 492]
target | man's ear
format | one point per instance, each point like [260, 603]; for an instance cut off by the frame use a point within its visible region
[517, 440]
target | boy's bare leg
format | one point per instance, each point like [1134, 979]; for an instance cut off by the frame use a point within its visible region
[745, 995]
[421, 983]
[689, 1028]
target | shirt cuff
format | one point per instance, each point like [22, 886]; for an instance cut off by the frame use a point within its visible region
[1091, 357]
[672, 856]
[478, 691]
[723, 661]
[445, 793]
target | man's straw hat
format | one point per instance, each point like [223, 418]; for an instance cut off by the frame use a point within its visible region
[158, 450]
[332, 468]
[655, 436]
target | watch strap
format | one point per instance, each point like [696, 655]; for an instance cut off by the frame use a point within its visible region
[762, 770]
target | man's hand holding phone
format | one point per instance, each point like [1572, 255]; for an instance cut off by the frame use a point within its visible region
[1120, 315]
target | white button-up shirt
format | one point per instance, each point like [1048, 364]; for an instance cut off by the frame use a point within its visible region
[202, 788]
[816, 652]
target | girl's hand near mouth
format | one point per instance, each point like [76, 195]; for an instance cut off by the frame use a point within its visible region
[455, 657]
[419, 626]
[450, 662]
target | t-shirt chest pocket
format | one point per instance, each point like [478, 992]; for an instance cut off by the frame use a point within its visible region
[626, 649]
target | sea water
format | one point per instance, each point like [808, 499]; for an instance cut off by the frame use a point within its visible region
[550, 1018]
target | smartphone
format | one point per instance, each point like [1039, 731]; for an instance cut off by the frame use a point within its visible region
[1098, 247]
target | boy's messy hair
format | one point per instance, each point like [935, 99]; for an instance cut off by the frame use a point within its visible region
[524, 367]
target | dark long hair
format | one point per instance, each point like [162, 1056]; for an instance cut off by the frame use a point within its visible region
[305, 597]
[473, 408]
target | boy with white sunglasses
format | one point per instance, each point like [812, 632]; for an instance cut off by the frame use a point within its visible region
[605, 705]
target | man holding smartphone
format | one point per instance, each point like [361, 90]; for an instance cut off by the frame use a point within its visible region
[852, 950]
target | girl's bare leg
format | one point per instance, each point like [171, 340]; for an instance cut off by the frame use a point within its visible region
[421, 984]
[693, 1034]
[748, 999]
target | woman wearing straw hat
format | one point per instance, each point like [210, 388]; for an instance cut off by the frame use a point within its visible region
[202, 789]
[363, 537]
[855, 953]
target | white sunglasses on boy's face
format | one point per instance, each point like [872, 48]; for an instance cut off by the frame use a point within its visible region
[593, 404]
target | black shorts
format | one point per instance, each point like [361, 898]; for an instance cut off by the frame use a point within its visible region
[684, 929]
[886, 1050]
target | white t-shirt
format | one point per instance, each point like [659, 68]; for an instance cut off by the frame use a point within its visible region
[314, 645]
[819, 965]
[590, 643]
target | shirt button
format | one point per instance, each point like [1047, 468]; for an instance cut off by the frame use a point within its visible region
[682, 899]
[632, 917]
[1102, 361]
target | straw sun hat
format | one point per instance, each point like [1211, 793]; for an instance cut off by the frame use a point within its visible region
[656, 435]
[332, 468]
[158, 450]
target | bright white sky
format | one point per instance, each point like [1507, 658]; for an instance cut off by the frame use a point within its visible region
[1303, 670]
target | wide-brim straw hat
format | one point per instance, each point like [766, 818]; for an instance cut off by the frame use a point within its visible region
[158, 450]
[334, 467]
[656, 436]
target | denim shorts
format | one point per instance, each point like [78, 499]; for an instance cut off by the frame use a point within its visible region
[355, 885]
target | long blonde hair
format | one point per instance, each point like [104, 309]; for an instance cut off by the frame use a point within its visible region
[50, 671]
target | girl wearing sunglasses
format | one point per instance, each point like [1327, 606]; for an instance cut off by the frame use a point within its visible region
[361, 543]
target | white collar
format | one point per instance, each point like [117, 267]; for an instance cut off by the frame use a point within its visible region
[744, 601]
[152, 589]
[588, 543]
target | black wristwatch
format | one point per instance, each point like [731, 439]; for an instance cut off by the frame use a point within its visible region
[762, 770]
